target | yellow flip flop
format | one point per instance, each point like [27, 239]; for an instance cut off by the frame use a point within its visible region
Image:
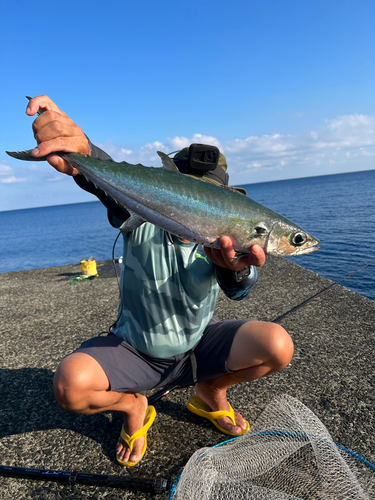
[129, 440]
[199, 407]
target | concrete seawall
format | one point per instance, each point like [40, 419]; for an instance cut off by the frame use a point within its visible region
[44, 317]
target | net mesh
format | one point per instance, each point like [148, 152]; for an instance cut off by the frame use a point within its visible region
[288, 454]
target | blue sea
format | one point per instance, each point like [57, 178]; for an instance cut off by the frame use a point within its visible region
[337, 209]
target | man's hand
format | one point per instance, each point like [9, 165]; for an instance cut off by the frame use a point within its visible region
[55, 131]
[226, 255]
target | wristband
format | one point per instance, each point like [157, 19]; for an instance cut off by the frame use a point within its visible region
[241, 274]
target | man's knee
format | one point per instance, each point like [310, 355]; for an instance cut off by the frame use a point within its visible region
[75, 377]
[281, 346]
[263, 343]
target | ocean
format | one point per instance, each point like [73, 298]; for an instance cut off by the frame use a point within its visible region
[337, 209]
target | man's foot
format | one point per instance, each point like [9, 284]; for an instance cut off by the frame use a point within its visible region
[133, 421]
[216, 399]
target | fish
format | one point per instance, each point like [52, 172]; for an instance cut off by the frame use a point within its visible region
[188, 207]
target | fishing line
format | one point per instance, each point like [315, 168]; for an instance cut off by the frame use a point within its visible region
[118, 284]
[319, 294]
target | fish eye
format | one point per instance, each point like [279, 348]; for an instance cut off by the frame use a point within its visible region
[298, 239]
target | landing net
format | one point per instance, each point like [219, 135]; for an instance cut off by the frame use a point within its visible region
[288, 455]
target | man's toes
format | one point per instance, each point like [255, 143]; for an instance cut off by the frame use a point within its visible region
[135, 455]
[227, 424]
[240, 421]
[124, 454]
[121, 451]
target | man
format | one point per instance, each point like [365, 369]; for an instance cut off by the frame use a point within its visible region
[165, 333]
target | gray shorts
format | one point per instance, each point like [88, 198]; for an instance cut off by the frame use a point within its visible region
[129, 370]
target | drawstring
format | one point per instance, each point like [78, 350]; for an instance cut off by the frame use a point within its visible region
[194, 365]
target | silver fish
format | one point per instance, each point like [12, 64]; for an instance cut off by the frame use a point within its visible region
[188, 207]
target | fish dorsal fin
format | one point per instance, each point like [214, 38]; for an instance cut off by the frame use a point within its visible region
[167, 163]
[232, 189]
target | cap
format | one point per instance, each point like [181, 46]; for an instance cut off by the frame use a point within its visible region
[208, 176]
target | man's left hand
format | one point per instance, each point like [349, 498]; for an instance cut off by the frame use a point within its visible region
[226, 255]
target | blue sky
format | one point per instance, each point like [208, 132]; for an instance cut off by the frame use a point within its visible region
[284, 88]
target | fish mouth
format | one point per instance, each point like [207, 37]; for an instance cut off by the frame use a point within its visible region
[308, 250]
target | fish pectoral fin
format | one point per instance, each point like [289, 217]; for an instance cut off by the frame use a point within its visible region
[167, 163]
[25, 155]
[132, 222]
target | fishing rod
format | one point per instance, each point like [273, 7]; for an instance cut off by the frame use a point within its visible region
[157, 485]
[319, 294]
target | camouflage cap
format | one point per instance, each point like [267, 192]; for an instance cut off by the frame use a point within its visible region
[184, 154]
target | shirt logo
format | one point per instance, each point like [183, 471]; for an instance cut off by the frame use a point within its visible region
[205, 258]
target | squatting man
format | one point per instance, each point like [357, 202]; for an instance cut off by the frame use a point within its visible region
[166, 332]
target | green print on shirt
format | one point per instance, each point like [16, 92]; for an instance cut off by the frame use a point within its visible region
[199, 256]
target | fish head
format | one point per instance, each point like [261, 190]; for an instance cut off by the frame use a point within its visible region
[288, 240]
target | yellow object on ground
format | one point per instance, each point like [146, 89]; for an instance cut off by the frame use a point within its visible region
[88, 267]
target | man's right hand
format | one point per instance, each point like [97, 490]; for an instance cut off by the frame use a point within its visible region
[55, 131]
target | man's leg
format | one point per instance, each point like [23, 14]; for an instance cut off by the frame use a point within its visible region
[258, 349]
[81, 386]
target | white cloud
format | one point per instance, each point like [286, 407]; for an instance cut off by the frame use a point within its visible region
[342, 144]
[12, 180]
[5, 169]
[26, 172]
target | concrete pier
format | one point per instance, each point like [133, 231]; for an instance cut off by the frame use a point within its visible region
[45, 316]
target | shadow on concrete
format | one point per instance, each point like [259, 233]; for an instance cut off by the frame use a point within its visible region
[28, 405]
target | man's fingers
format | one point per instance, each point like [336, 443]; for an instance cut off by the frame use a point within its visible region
[41, 102]
[226, 256]
[54, 125]
[54, 131]
[258, 256]
[61, 165]
[215, 256]
[65, 144]
[53, 122]
[227, 251]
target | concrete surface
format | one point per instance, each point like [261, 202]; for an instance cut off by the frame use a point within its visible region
[44, 317]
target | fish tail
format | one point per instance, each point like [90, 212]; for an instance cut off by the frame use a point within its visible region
[25, 155]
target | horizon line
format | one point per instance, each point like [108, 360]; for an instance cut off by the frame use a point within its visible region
[240, 185]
